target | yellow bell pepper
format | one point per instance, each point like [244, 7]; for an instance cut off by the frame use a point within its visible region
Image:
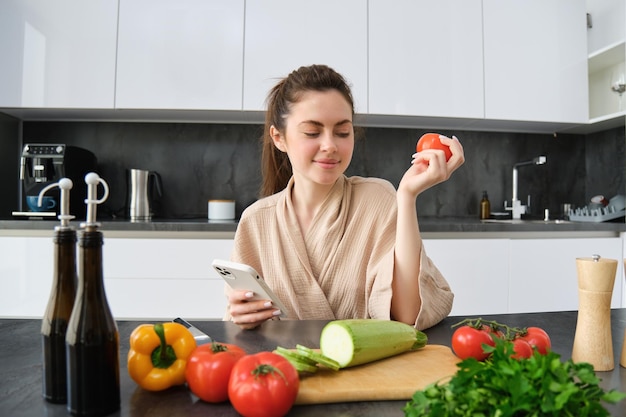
[158, 355]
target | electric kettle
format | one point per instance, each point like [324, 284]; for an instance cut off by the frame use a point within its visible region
[144, 189]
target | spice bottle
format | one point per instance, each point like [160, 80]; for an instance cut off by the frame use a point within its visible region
[59, 307]
[485, 207]
[92, 340]
[593, 342]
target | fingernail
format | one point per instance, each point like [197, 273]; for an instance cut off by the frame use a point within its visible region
[277, 313]
[268, 304]
[249, 294]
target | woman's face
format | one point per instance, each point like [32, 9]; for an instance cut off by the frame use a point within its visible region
[318, 137]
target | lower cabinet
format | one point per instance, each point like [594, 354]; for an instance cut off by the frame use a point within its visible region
[144, 278]
[543, 274]
[490, 276]
[167, 278]
[25, 275]
[477, 271]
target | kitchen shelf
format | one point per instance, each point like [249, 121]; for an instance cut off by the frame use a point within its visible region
[607, 57]
[604, 104]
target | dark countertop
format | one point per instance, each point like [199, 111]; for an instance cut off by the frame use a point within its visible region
[21, 383]
[428, 225]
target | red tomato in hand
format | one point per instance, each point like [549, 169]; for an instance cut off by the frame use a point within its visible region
[263, 385]
[432, 141]
[521, 349]
[467, 342]
[538, 339]
[208, 370]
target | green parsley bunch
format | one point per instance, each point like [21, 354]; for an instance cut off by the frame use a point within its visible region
[502, 386]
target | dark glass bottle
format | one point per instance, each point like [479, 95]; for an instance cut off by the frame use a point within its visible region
[485, 207]
[57, 315]
[92, 337]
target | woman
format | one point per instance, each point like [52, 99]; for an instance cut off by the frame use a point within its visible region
[329, 246]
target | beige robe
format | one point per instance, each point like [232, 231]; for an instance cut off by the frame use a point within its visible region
[343, 267]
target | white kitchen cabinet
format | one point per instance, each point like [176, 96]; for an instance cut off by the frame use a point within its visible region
[58, 54]
[495, 276]
[26, 265]
[165, 278]
[185, 54]
[282, 35]
[607, 24]
[425, 58]
[535, 60]
[477, 271]
[144, 278]
[544, 276]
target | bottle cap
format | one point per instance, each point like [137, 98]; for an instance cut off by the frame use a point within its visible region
[92, 180]
[65, 184]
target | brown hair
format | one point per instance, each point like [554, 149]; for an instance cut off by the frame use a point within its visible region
[275, 165]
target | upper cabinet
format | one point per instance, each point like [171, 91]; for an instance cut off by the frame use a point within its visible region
[58, 54]
[184, 54]
[458, 64]
[282, 35]
[606, 21]
[425, 58]
[535, 60]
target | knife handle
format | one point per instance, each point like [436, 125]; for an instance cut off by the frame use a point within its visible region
[181, 321]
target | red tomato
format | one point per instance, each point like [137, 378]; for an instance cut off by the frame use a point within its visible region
[263, 385]
[494, 333]
[432, 141]
[467, 342]
[521, 349]
[538, 339]
[208, 370]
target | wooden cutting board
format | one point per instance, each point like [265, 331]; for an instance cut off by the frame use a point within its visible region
[395, 378]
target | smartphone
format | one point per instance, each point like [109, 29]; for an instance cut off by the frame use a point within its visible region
[244, 277]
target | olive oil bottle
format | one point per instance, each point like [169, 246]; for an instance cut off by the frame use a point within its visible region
[61, 301]
[92, 342]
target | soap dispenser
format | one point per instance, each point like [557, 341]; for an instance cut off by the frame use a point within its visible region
[59, 307]
[92, 341]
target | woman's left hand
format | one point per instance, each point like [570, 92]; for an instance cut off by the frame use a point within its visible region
[429, 167]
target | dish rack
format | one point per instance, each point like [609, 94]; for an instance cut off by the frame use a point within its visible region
[596, 215]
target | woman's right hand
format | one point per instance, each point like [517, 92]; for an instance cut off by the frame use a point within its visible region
[248, 313]
[429, 167]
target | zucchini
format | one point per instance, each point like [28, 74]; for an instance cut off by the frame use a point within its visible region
[358, 341]
[317, 357]
[298, 361]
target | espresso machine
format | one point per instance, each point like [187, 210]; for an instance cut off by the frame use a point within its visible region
[44, 164]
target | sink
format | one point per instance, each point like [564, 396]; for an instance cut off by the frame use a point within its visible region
[524, 221]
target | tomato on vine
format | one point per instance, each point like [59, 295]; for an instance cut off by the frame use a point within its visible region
[521, 349]
[468, 341]
[537, 338]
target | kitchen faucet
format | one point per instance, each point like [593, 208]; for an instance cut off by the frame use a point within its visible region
[517, 208]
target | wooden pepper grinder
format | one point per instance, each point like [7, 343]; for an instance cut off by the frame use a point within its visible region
[593, 342]
[623, 357]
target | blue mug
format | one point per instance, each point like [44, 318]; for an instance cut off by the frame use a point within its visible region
[47, 203]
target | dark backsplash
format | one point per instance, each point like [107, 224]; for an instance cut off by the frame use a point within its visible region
[198, 162]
